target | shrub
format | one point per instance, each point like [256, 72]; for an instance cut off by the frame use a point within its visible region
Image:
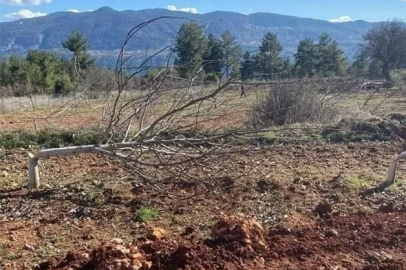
[147, 213]
[47, 138]
[289, 103]
[399, 77]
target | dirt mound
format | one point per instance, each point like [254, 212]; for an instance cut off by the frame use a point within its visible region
[240, 229]
[358, 130]
[73, 260]
[106, 257]
[360, 241]
[233, 247]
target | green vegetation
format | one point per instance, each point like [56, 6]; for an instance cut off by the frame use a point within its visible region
[43, 72]
[47, 138]
[385, 45]
[191, 46]
[77, 44]
[352, 130]
[224, 57]
[231, 52]
[147, 213]
[356, 182]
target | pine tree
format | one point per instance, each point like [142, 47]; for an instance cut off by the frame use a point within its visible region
[306, 58]
[4, 73]
[77, 44]
[47, 63]
[360, 67]
[287, 71]
[331, 60]
[213, 57]
[191, 46]
[231, 54]
[247, 67]
[269, 62]
[16, 71]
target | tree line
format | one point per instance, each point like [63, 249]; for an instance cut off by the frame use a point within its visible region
[41, 72]
[383, 49]
[213, 58]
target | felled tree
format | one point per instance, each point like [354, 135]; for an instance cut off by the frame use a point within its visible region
[162, 132]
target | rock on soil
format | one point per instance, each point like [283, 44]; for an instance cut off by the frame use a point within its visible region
[360, 241]
[240, 229]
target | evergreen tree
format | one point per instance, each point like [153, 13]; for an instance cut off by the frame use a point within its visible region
[330, 58]
[16, 71]
[4, 73]
[360, 67]
[269, 62]
[287, 71]
[64, 77]
[44, 65]
[306, 58]
[191, 46]
[77, 44]
[231, 54]
[247, 67]
[213, 57]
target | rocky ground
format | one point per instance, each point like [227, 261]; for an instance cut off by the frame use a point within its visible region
[296, 207]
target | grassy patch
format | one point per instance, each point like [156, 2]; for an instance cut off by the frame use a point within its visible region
[396, 188]
[147, 213]
[356, 182]
[352, 130]
[46, 138]
[86, 193]
[13, 257]
[46, 252]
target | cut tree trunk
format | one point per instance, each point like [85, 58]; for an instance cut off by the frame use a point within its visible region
[34, 176]
[390, 179]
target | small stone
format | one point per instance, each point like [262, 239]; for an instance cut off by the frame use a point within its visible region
[28, 247]
[146, 265]
[323, 209]
[117, 241]
[122, 249]
[5, 174]
[85, 255]
[12, 238]
[331, 233]
[388, 207]
[387, 256]
[155, 234]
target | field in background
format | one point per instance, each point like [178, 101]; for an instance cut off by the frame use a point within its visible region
[68, 112]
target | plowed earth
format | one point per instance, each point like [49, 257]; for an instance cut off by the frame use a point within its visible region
[299, 203]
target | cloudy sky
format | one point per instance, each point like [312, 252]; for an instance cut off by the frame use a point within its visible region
[332, 10]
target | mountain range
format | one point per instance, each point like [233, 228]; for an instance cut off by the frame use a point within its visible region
[106, 29]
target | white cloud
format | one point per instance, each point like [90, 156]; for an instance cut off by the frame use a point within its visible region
[25, 2]
[342, 19]
[73, 10]
[22, 14]
[183, 9]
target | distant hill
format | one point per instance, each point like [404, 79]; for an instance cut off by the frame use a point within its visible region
[106, 29]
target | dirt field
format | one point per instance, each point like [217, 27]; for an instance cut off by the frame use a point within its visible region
[87, 201]
[297, 207]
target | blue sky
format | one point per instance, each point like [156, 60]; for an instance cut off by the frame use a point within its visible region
[335, 10]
